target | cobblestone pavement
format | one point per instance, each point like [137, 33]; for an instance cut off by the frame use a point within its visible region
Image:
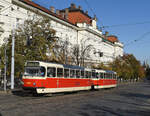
[126, 100]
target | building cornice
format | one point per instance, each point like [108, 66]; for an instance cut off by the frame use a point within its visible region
[43, 11]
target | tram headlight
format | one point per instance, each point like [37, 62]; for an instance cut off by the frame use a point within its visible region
[34, 84]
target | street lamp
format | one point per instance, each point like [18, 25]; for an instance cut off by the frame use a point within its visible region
[12, 59]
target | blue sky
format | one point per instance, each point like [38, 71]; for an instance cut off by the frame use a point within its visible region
[135, 13]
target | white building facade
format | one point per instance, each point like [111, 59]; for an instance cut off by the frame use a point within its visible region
[14, 12]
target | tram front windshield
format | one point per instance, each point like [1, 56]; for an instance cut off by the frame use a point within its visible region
[34, 71]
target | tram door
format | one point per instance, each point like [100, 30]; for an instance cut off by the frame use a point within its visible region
[95, 78]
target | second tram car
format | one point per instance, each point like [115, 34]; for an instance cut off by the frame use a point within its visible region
[45, 77]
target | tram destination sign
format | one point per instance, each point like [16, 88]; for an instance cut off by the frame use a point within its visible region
[32, 64]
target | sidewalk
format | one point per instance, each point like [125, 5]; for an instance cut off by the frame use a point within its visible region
[5, 92]
[9, 91]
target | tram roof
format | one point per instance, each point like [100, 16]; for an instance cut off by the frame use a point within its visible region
[73, 67]
[109, 71]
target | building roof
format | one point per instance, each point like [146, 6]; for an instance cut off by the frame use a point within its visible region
[77, 15]
[112, 38]
[30, 3]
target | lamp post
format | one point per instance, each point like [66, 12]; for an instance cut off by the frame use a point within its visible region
[12, 59]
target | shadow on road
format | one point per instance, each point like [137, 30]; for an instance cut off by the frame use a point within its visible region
[21, 93]
[102, 110]
[135, 95]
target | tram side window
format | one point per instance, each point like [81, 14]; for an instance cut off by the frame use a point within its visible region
[97, 75]
[78, 73]
[93, 74]
[42, 71]
[108, 76]
[51, 72]
[59, 72]
[86, 74]
[72, 73]
[82, 73]
[66, 73]
[104, 75]
[113, 76]
[90, 75]
[101, 75]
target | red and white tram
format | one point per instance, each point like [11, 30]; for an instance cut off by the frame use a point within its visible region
[45, 77]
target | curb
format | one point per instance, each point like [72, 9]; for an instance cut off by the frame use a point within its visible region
[5, 92]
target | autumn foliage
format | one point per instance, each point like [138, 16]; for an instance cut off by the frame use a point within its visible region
[127, 67]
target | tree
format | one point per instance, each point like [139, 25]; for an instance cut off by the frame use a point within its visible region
[147, 70]
[81, 52]
[63, 50]
[127, 67]
[34, 40]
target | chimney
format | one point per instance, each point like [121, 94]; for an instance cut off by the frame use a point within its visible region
[73, 6]
[57, 12]
[86, 12]
[95, 18]
[106, 34]
[94, 22]
[79, 7]
[66, 13]
[62, 14]
[52, 9]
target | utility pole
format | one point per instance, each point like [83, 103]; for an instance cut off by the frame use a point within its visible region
[5, 62]
[12, 59]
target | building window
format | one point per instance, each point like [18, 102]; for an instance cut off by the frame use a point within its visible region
[17, 20]
[12, 9]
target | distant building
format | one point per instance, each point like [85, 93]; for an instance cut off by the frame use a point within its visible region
[71, 23]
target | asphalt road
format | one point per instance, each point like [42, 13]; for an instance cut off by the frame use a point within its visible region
[125, 100]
